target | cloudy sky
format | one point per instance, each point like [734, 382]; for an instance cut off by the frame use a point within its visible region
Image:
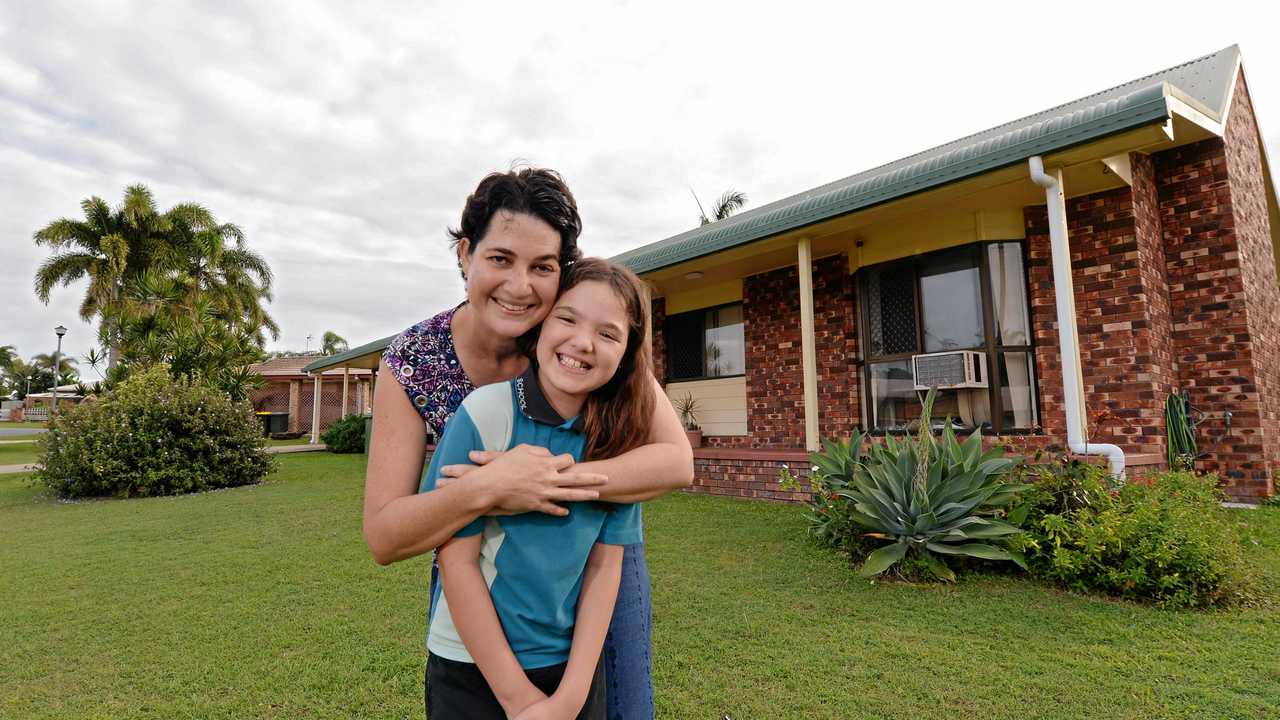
[344, 137]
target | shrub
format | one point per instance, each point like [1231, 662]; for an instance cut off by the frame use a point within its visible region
[346, 435]
[1165, 541]
[929, 497]
[153, 434]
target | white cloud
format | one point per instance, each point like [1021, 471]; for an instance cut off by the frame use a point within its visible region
[344, 140]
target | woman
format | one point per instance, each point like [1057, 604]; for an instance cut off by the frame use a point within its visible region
[518, 230]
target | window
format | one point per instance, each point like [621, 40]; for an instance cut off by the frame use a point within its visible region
[706, 344]
[967, 298]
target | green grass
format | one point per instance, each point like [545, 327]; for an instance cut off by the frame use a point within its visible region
[17, 453]
[263, 602]
[8, 424]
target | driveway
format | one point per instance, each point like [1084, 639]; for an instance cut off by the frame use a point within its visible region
[21, 431]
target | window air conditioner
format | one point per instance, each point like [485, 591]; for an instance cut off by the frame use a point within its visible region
[950, 370]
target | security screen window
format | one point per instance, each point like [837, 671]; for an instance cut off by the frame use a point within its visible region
[966, 298]
[705, 344]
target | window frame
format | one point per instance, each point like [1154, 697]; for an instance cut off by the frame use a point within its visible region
[994, 352]
[702, 348]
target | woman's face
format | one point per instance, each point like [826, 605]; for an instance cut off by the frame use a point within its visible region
[513, 274]
[582, 342]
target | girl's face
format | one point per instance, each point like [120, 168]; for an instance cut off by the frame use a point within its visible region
[583, 340]
[513, 273]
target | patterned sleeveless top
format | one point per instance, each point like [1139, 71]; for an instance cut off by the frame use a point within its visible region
[423, 359]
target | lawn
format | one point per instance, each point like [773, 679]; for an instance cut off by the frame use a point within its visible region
[17, 453]
[262, 602]
[8, 424]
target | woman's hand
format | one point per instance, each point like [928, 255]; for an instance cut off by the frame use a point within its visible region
[527, 478]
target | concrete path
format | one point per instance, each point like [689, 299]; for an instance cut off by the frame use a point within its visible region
[274, 450]
[21, 431]
[7, 469]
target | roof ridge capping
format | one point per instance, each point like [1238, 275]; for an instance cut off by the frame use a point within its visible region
[1112, 110]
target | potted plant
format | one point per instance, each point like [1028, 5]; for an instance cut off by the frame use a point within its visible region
[687, 406]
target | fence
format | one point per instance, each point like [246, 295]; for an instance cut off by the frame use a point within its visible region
[36, 414]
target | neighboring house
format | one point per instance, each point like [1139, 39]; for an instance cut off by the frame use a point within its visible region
[290, 389]
[37, 406]
[804, 319]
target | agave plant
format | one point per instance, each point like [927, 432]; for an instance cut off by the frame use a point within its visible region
[930, 496]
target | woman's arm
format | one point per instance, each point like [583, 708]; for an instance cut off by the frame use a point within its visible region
[600, 582]
[400, 522]
[477, 622]
[665, 464]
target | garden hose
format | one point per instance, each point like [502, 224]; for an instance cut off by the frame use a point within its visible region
[1181, 449]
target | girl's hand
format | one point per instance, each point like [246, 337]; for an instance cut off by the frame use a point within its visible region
[527, 478]
[552, 708]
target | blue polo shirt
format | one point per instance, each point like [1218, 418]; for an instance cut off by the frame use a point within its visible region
[533, 563]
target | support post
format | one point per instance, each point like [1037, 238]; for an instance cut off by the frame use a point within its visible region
[315, 412]
[808, 346]
[346, 379]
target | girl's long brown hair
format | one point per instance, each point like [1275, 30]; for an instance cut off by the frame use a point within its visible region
[617, 415]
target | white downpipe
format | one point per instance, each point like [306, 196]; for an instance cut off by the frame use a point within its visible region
[1064, 300]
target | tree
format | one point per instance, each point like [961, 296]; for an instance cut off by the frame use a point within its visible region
[66, 365]
[7, 355]
[332, 343]
[133, 254]
[729, 203]
[20, 372]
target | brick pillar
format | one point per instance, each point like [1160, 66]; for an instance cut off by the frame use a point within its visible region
[1122, 315]
[775, 385]
[295, 422]
[1224, 299]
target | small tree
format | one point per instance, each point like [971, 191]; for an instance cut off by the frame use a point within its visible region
[331, 343]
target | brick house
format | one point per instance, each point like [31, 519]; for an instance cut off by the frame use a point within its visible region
[289, 388]
[807, 318]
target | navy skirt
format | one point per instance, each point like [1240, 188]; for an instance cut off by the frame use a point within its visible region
[628, 648]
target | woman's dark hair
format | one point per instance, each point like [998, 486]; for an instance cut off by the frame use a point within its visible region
[539, 192]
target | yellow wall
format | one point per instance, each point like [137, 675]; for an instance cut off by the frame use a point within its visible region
[722, 403]
[922, 234]
[703, 296]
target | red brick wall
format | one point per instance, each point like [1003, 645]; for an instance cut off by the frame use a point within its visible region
[659, 346]
[775, 380]
[1122, 317]
[1210, 334]
[748, 478]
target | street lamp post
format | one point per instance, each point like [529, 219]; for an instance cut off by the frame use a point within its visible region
[57, 360]
[28, 386]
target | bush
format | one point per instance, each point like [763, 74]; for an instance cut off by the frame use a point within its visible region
[1165, 541]
[346, 435]
[153, 435]
[931, 498]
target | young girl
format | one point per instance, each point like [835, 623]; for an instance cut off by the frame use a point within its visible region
[524, 601]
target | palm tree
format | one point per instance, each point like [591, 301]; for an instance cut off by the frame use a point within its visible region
[729, 203]
[7, 355]
[107, 247]
[185, 249]
[217, 265]
[332, 343]
[66, 365]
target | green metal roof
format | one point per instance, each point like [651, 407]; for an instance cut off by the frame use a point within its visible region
[324, 363]
[1205, 82]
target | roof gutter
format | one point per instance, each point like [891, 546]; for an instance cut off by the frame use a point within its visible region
[1064, 300]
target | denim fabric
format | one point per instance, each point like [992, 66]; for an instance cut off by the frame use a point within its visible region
[628, 648]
